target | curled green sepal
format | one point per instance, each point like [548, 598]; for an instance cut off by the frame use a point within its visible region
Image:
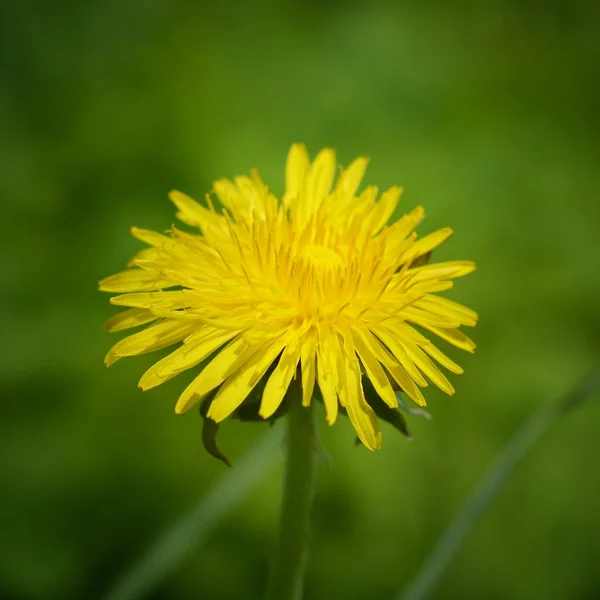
[209, 439]
[209, 433]
[248, 412]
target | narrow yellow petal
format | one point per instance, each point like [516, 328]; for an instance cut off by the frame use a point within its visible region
[427, 243]
[403, 330]
[235, 390]
[126, 319]
[331, 345]
[327, 384]
[431, 286]
[143, 255]
[402, 228]
[155, 337]
[361, 415]
[191, 212]
[229, 195]
[445, 270]
[152, 238]
[279, 380]
[375, 372]
[407, 384]
[319, 180]
[350, 178]
[190, 354]
[374, 345]
[422, 317]
[453, 336]
[169, 299]
[384, 208]
[428, 367]
[364, 420]
[445, 307]
[438, 355]
[253, 194]
[308, 349]
[392, 339]
[296, 170]
[213, 374]
[134, 280]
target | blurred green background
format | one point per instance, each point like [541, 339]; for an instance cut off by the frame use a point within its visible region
[486, 112]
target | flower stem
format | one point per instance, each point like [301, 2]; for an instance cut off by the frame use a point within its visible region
[291, 552]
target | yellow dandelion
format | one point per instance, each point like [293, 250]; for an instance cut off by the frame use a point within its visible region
[317, 286]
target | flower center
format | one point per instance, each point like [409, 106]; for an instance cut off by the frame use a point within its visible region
[320, 258]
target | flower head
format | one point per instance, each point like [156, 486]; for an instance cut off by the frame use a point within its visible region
[316, 287]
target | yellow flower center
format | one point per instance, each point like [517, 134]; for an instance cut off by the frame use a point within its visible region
[321, 258]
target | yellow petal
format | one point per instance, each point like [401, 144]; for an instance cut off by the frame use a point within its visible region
[364, 420]
[308, 349]
[296, 170]
[422, 317]
[374, 345]
[428, 367]
[235, 390]
[438, 355]
[350, 178]
[360, 413]
[191, 212]
[279, 380]
[384, 209]
[319, 180]
[134, 280]
[155, 337]
[427, 243]
[190, 354]
[129, 318]
[453, 336]
[401, 228]
[391, 338]
[253, 195]
[407, 384]
[327, 383]
[144, 255]
[431, 286]
[445, 270]
[211, 376]
[230, 196]
[173, 300]
[375, 373]
[445, 307]
[150, 237]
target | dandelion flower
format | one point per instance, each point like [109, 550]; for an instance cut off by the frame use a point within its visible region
[317, 287]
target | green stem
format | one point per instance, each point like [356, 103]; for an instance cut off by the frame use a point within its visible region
[291, 552]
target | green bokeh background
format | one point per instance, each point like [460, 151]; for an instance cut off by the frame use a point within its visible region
[487, 114]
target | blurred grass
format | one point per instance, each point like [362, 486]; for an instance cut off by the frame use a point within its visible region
[485, 112]
[189, 532]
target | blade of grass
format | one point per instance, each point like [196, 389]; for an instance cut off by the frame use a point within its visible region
[191, 530]
[492, 482]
